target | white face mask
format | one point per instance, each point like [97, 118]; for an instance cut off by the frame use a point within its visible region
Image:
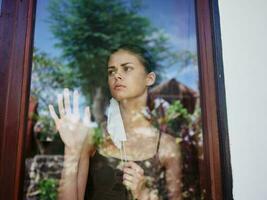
[115, 125]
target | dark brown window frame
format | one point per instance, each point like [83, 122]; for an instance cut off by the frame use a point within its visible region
[16, 40]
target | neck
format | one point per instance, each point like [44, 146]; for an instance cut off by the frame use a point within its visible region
[131, 111]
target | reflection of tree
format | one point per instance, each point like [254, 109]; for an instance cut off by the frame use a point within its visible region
[187, 58]
[88, 30]
[47, 75]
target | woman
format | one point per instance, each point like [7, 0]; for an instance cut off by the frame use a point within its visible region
[135, 167]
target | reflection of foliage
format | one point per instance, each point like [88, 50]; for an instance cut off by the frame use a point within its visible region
[187, 58]
[191, 179]
[88, 30]
[169, 119]
[48, 75]
[98, 136]
[48, 189]
[177, 115]
[186, 127]
[45, 128]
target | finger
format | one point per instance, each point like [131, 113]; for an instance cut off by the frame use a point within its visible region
[135, 167]
[130, 171]
[76, 104]
[67, 101]
[53, 113]
[128, 184]
[60, 105]
[87, 116]
[128, 177]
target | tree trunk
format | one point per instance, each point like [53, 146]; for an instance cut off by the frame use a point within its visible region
[99, 105]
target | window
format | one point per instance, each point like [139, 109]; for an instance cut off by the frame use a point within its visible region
[211, 98]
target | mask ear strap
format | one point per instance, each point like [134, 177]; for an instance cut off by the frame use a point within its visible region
[124, 151]
[122, 160]
[123, 154]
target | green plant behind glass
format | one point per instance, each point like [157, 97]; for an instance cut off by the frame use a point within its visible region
[48, 189]
[177, 115]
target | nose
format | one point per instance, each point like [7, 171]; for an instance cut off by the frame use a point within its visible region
[118, 75]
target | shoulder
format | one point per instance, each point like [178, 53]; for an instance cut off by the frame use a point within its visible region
[168, 142]
[169, 149]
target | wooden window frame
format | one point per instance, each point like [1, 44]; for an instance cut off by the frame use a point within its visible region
[17, 21]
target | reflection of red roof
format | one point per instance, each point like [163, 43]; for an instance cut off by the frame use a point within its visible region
[174, 90]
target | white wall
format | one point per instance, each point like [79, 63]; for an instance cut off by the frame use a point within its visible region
[244, 40]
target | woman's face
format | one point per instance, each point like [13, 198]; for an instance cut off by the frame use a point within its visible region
[127, 77]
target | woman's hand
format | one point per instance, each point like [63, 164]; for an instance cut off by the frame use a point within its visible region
[134, 179]
[73, 131]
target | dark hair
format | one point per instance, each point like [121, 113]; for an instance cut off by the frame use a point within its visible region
[142, 54]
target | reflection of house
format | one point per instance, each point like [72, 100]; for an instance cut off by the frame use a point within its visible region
[190, 136]
[174, 90]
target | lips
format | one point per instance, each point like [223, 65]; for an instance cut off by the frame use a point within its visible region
[119, 86]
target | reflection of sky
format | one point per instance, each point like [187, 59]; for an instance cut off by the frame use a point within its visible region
[175, 17]
[43, 38]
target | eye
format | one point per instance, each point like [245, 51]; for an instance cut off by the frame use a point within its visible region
[127, 68]
[111, 72]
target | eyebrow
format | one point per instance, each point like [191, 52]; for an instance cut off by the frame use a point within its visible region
[123, 64]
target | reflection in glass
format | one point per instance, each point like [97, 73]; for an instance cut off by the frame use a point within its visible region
[0, 7]
[74, 48]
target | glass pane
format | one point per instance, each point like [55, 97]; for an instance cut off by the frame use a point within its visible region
[124, 121]
[0, 7]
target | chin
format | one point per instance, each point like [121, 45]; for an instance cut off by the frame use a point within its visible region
[119, 97]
